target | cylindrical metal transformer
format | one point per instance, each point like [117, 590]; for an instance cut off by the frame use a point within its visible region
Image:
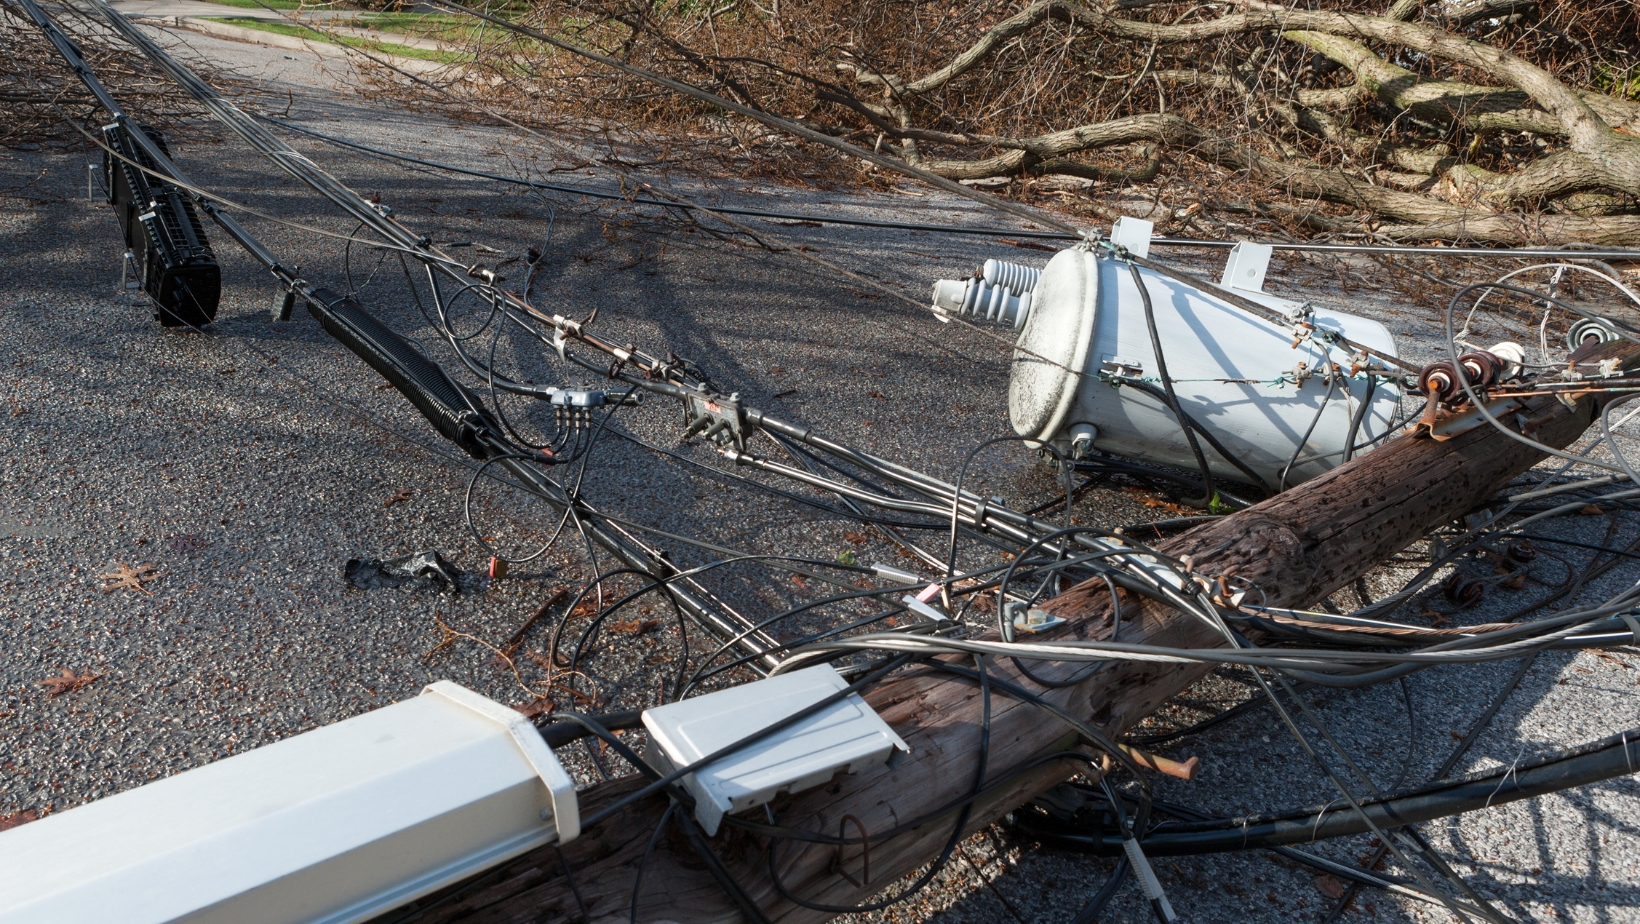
[1085, 359]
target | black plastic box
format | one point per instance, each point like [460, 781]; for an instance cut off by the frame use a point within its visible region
[162, 231]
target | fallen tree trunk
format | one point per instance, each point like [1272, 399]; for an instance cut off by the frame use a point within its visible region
[1297, 547]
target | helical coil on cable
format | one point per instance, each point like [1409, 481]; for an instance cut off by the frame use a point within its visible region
[1588, 330]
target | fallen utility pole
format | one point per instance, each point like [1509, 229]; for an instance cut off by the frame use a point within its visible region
[1298, 547]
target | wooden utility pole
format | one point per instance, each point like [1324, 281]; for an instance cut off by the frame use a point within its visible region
[1298, 547]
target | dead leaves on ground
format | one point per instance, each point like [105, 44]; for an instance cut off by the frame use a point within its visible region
[67, 682]
[634, 626]
[403, 495]
[1329, 885]
[1144, 497]
[539, 706]
[130, 578]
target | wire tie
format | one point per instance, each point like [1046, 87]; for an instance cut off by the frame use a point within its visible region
[1505, 778]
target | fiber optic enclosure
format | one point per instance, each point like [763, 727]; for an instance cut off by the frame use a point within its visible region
[163, 234]
[331, 826]
[845, 735]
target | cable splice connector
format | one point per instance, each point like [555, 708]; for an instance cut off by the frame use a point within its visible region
[891, 573]
[1148, 882]
[715, 417]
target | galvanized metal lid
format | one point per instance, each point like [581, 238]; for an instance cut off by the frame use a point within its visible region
[1052, 350]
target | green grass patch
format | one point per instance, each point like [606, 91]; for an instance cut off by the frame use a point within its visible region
[260, 4]
[1623, 84]
[445, 27]
[370, 45]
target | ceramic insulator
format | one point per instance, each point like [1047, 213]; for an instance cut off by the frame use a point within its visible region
[978, 299]
[1015, 278]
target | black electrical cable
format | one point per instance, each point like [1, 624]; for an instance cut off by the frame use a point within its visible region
[771, 489]
[1461, 252]
[720, 872]
[957, 830]
[1006, 629]
[807, 461]
[1298, 450]
[1087, 732]
[979, 516]
[1253, 477]
[637, 879]
[656, 582]
[1129, 832]
[1537, 537]
[1617, 755]
[1360, 415]
[1096, 906]
[1257, 702]
[1208, 494]
[1451, 761]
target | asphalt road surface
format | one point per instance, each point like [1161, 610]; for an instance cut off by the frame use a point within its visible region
[248, 464]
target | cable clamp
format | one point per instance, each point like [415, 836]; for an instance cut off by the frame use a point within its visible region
[480, 271]
[1300, 374]
[1632, 623]
[288, 304]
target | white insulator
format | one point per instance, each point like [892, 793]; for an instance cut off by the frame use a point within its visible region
[1513, 356]
[949, 294]
[977, 299]
[972, 297]
[1015, 278]
[993, 304]
[1082, 437]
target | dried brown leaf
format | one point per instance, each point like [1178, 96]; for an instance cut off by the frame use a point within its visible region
[67, 682]
[130, 578]
[634, 626]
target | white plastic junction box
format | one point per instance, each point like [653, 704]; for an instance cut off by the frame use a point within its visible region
[331, 826]
[842, 737]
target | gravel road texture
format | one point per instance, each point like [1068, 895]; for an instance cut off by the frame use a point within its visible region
[248, 464]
